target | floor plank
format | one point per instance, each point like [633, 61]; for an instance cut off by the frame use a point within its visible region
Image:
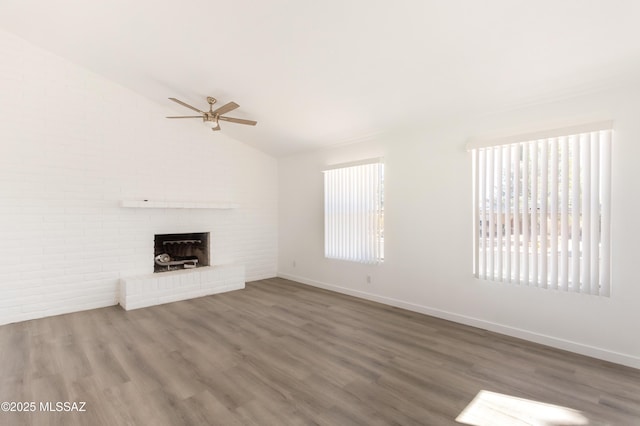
[284, 353]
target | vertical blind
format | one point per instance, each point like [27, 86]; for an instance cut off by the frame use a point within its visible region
[353, 212]
[542, 211]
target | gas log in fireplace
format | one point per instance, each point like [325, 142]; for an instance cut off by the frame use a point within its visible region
[180, 251]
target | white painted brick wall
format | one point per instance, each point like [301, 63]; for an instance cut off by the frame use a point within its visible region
[72, 146]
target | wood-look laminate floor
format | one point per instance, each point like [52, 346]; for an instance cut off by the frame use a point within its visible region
[281, 353]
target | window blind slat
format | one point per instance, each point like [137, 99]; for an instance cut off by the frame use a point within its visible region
[595, 213]
[363, 206]
[605, 246]
[544, 187]
[535, 238]
[585, 181]
[508, 212]
[344, 224]
[575, 214]
[516, 212]
[491, 191]
[483, 201]
[485, 217]
[499, 167]
[358, 214]
[327, 217]
[526, 230]
[564, 215]
[553, 218]
[477, 228]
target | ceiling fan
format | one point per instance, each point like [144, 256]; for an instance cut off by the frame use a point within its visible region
[211, 118]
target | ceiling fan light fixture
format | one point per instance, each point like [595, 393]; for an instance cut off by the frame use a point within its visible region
[211, 123]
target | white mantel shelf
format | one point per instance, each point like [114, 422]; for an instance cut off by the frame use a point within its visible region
[142, 204]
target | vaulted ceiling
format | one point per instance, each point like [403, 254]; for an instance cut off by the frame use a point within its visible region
[318, 73]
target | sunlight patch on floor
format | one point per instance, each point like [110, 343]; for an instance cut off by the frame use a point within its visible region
[495, 409]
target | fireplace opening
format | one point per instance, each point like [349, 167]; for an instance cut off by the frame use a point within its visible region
[180, 251]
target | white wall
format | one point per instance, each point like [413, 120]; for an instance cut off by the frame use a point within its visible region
[428, 236]
[72, 146]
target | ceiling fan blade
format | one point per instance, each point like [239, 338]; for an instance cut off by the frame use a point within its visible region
[226, 108]
[188, 116]
[238, 120]
[186, 105]
[216, 128]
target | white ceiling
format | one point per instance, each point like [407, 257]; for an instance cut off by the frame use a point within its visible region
[317, 73]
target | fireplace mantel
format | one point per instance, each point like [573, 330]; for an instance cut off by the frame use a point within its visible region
[150, 204]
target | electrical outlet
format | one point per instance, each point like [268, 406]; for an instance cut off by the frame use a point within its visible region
[368, 279]
[293, 263]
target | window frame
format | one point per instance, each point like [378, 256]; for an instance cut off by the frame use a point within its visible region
[354, 211]
[575, 159]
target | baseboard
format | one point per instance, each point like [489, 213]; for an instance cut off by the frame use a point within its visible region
[568, 345]
[260, 277]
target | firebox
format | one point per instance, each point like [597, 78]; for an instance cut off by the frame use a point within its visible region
[180, 251]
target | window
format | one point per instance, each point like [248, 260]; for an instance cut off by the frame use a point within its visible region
[354, 212]
[542, 209]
